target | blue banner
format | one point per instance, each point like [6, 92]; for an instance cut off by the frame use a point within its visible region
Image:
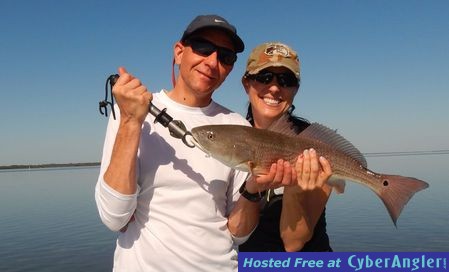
[343, 261]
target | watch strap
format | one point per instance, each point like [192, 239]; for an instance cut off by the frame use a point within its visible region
[253, 197]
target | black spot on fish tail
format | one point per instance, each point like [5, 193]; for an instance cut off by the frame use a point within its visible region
[397, 191]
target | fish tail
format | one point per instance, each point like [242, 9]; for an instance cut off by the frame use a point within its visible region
[396, 191]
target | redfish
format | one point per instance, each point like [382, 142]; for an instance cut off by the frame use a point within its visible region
[254, 150]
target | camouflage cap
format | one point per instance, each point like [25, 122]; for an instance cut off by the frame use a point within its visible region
[273, 54]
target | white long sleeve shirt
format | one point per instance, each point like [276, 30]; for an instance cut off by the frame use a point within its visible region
[182, 202]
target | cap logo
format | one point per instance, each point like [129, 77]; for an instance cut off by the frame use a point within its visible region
[218, 21]
[277, 49]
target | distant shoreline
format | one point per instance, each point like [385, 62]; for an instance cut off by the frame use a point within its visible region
[48, 165]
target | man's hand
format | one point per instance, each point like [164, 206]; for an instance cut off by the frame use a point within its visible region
[132, 97]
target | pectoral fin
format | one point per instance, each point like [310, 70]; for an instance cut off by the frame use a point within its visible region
[338, 184]
[247, 166]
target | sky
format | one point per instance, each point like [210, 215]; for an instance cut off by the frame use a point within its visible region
[377, 71]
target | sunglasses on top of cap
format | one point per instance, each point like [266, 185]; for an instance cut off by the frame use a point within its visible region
[285, 79]
[206, 48]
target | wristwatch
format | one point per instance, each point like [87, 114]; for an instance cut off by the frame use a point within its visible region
[255, 197]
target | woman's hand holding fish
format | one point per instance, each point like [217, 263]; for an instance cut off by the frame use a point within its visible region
[281, 174]
[312, 172]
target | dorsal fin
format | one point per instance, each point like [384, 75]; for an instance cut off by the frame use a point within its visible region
[319, 133]
[328, 136]
[284, 126]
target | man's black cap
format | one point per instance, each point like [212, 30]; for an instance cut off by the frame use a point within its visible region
[214, 21]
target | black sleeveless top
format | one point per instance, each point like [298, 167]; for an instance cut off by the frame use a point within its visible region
[267, 236]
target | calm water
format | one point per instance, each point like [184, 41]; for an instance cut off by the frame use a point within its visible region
[49, 221]
[358, 220]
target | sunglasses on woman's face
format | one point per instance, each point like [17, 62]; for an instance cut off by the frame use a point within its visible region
[285, 79]
[206, 48]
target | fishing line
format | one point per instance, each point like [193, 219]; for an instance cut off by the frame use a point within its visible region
[407, 153]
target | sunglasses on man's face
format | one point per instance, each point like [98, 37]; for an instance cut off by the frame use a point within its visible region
[285, 79]
[206, 48]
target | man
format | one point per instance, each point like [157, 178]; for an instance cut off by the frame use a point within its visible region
[180, 199]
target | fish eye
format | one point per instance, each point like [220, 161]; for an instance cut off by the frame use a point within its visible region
[210, 135]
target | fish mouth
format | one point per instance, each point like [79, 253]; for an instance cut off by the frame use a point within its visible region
[193, 141]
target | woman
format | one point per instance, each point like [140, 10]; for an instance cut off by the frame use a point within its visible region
[292, 217]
